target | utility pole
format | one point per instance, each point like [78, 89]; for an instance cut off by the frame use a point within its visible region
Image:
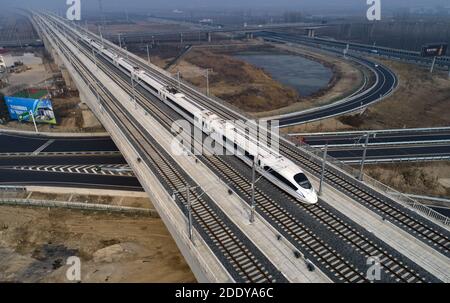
[101, 36]
[322, 176]
[98, 97]
[95, 58]
[134, 91]
[120, 41]
[179, 83]
[432, 64]
[346, 51]
[102, 16]
[188, 196]
[252, 213]
[148, 55]
[366, 144]
[34, 121]
[207, 82]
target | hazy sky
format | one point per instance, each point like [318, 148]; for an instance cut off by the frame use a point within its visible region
[112, 5]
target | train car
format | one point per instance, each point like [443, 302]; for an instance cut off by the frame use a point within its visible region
[279, 170]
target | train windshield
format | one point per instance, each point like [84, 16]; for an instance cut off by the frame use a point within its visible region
[302, 181]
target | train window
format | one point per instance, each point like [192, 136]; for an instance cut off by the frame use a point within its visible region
[249, 156]
[283, 180]
[303, 181]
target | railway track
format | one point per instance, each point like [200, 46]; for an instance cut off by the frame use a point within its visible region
[429, 232]
[329, 259]
[292, 228]
[247, 266]
[395, 268]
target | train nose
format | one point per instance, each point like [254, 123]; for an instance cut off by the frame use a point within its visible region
[311, 197]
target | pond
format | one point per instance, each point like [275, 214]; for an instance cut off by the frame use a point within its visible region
[306, 76]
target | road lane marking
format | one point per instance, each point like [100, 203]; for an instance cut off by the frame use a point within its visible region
[81, 169]
[43, 146]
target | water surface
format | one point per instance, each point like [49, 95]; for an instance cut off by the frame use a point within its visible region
[306, 76]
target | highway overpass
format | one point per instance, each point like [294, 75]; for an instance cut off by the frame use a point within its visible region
[384, 85]
[414, 57]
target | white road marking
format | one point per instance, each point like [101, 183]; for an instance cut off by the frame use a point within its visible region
[81, 169]
[43, 146]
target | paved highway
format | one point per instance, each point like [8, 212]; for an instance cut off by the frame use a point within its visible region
[395, 137]
[393, 153]
[386, 82]
[64, 162]
[10, 143]
[139, 36]
[391, 53]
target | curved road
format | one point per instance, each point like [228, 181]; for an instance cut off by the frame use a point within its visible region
[386, 83]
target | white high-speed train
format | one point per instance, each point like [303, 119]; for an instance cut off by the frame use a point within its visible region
[277, 169]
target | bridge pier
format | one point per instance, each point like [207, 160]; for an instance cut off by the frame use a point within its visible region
[310, 32]
[249, 35]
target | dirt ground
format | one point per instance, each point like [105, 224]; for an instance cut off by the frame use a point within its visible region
[431, 179]
[35, 244]
[235, 81]
[71, 115]
[251, 88]
[347, 78]
[422, 100]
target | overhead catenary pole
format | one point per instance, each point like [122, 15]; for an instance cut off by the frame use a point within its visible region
[188, 197]
[134, 91]
[363, 160]
[432, 64]
[95, 58]
[322, 175]
[207, 82]
[101, 35]
[148, 55]
[120, 41]
[253, 206]
[98, 97]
